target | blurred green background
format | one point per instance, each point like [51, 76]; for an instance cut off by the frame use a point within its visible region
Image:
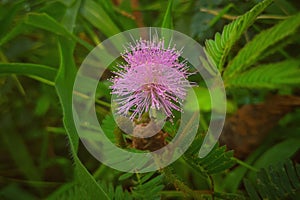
[35, 151]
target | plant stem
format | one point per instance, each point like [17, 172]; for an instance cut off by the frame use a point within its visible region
[233, 17]
[242, 163]
[99, 171]
[186, 191]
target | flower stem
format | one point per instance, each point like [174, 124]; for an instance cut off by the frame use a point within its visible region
[245, 164]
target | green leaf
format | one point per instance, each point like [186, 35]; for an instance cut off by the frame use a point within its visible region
[221, 13]
[291, 172]
[28, 69]
[108, 126]
[275, 182]
[219, 48]
[228, 196]
[97, 16]
[150, 189]
[217, 161]
[9, 16]
[67, 3]
[70, 16]
[68, 191]
[168, 19]
[146, 177]
[18, 150]
[46, 22]
[278, 152]
[274, 75]
[251, 52]
[127, 22]
[251, 190]
[14, 191]
[18, 29]
[115, 193]
[235, 176]
[125, 176]
[42, 105]
[64, 87]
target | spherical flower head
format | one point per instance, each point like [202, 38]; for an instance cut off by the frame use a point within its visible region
[153, 78]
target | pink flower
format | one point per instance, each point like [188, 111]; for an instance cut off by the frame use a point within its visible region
[152, 78]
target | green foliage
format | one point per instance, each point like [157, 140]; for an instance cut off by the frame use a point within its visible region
[217, 161]
[43, 73]
[148, 188]
[115, 193]
[20, 154]
[64, 87]
[228, 196]
[44, 21]
[168, 20]
[69, 191]
[8, 16]
[219, 48]
[47, 41]
[281, 151]
[280, 181]
[95, 14]
[274, 75]
[12, 192]
[79, 191]
[250, 54]
[108, 127]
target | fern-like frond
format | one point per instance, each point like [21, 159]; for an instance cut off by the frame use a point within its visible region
[115, 193]
[217, 161]
[251, 52]
[219, 48]
[80, 190]
[148, 188]
[281, 181]
[274, 75]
